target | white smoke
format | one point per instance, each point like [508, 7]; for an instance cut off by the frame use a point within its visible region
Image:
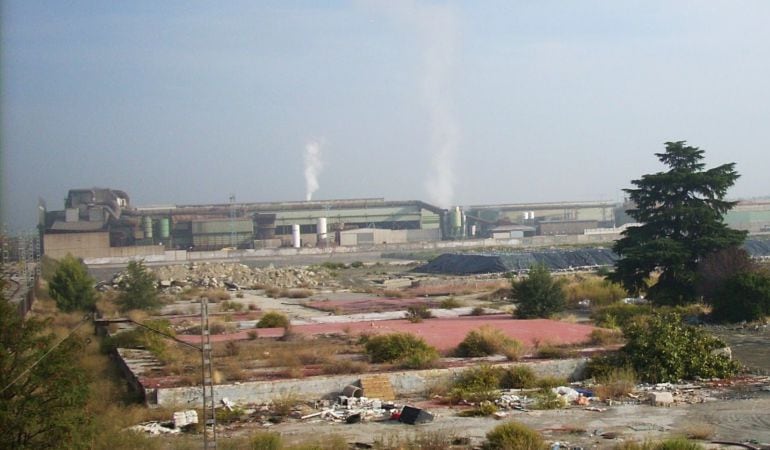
[313, 167]
[436, 27]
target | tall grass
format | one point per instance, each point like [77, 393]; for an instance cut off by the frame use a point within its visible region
[600, 291]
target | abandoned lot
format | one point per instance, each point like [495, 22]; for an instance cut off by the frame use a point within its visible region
[331, 306]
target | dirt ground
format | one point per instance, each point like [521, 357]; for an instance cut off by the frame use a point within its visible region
[735, 420]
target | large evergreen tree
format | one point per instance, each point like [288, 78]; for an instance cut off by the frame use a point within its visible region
[681, 213]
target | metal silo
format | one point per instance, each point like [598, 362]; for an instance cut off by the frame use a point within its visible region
[147, 224]
[165, 228]
[295, 236]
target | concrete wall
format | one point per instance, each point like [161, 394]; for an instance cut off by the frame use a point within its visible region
[527, 242]
[79, 245]
[313, 388]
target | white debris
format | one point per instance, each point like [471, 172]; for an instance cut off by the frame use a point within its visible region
[566, 393]
[153, 428]
[185, 418]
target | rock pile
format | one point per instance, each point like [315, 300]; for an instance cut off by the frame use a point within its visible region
[235, 276]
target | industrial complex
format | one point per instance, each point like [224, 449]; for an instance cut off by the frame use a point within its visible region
[102, 222]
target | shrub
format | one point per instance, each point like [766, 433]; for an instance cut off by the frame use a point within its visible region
[663, 349]
[299, 293]
[420, 359]
[744, 296]
[137, 288]
[71, 286]
[451, 303]
[265, 440]
[477, 311]
[551, 351]
[477, 384]
[343, 366]
[616, 384]
[333, 265]
[550, 382]
[273, 319]
[518, 377]
[619, 315]
[546, 398]
[231, 306]
[142, 338]
[538, 295]
[357, 264]
[598, 290]
[487, 341]
[416, 313]
[601, 336]
[514, 436]
[394, 346]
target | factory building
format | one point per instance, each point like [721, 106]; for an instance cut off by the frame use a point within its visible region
[101, 222]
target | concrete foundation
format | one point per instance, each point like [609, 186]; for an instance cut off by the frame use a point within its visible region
[404, 383]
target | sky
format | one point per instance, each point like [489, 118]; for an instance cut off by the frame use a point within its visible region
[450, 102]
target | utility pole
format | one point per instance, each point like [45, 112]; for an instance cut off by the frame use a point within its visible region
[232, 222]
[209, 411]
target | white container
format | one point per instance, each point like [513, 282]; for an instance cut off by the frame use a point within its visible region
[295, 237]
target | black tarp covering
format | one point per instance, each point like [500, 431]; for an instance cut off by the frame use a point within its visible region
[555, 260]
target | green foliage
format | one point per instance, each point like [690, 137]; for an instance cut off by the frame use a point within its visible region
[142, 338]
[417, 313]
[357, 264]
[619, 315]
[538, 295]
[487, 341]
[451, 303]
[137, 288]
[394, 347]
[273, 319]
[681, 213]
[420, 359]
[477, 384]
[518, 377]
[744, 296]
[71, 286]
[546, 398]
[41, 407]
[669, 444]
[662, 349]
[599, 291]
[616, 384]
[265, 440]
[514, 436]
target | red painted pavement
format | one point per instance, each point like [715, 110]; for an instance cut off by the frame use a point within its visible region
[444, 334]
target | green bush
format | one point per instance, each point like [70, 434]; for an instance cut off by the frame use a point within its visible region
[451, 303]
[265, 440]
[417, 313]
[538, 295]
[477, 384]
[618, 315]
[273, 319]
[518, 377]
[71, 286]
[137, 288]
[487, 341]
[395, 346]
[357, 264]
[514, 436]
[142, 338]
[546, 398]
[420, 359]
[599, 291]
[744, 296]
[663, 349]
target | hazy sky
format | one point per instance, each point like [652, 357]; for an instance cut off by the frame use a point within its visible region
[449, 102]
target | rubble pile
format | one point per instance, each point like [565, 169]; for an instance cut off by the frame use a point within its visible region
[175, 278]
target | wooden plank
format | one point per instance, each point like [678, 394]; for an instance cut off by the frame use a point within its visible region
[378, 386]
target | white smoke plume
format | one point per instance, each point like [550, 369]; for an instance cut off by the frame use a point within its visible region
[436, 28]
[313, 167]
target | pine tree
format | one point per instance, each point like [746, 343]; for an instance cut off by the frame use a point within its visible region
[138, 288]
[538, 295]
[681, 212]
[71, 286]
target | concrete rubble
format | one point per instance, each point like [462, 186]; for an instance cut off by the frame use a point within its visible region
[175, 278]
